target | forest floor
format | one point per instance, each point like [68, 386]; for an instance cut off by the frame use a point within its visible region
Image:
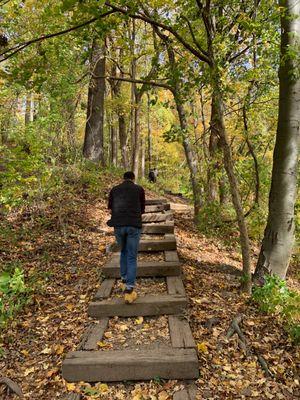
[62, 247]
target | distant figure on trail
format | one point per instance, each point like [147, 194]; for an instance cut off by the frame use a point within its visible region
[153, 175]
[127, 204]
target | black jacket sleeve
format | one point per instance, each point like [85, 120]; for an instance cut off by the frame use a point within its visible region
[143, 200]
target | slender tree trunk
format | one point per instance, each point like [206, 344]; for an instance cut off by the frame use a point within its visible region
[113, 144]
[149, 136]
[28, 112]
[278, 238]
[93, 148]
[143, 158]
[190, 156]
[219, 125]
[137, 139]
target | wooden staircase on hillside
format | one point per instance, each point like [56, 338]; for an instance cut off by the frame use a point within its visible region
[179, 361]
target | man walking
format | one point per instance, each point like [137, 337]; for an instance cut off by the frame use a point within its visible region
[127, 204]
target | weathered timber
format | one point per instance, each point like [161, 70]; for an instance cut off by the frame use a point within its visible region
[155, 217]
[143, 306]
[167, 227]
[93, 335]
[146, 268]
[151, 245]
[157, 208]
[175, 285]
[150, 202]
[180, 332]
[105, 289]
[73, 396]
[171, 256]
[189, 393]
[120, 365]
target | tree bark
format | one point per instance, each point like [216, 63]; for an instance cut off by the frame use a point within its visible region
[234, 188]
[93, 148]
[143, 158]
[28, 109]
[278, 238]
[149, 136]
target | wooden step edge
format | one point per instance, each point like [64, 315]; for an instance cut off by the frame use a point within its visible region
[143, 306]
[171, 255]
[164, 269]
[105, 289]
[180, 332]
[92, 335]
[120, 365]
[188, 393]
[175, 286]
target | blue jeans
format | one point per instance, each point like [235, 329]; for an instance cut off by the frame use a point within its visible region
[128, 238]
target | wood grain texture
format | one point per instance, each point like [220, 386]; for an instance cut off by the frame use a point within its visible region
[180, 332]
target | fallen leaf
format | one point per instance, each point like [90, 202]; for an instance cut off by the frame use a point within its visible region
[139, 320]
[202, 347]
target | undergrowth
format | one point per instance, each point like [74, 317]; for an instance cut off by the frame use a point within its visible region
[275, 298]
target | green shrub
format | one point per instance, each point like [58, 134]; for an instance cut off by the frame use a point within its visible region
[13, 293]
[274, 297]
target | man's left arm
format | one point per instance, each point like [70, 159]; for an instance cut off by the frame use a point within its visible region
[142, 200]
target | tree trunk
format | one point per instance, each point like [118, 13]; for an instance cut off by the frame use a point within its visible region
[190, 156]
[278, 238]
[28, 111]
[93, 148]
[143, 158]
[149, 136]
[219, 125]
[113, 144]
[136, 138]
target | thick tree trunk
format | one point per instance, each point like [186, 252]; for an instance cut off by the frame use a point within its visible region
[278, 238]
[93, 148]
[219, 125]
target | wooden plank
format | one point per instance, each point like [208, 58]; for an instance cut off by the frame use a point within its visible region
[143, 306]
[180, 332]
[105, 289]
[120, 365]
[146, 268]
[171, 255]
[93, 335]
[175, 285]
[154, 245]
[151, 245]
[167, 227]
[157, 208]
[150, 202]
[155, 217]
[73, 396]
[181, 395]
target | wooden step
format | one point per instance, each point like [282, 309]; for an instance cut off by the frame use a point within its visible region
[188, 393]
[129, 365]
[144, 306]
[157, 217]
[180, 332]
[167, 227]
[157, 208]
[92, 335]
[105, 289]
[151, 245]
[146, 268]
[175, 285]
[151, 202]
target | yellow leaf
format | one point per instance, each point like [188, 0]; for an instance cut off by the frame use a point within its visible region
[102, 344]
[70, 307]
[71, 387]
[163, 396]
[25, 352]
[123, 327]
[46, 350]
[108, 335]
[139, 320]
[102, 387]
[59, 349]
[28, 371]
[202, 347]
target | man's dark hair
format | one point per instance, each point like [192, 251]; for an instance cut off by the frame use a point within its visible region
[129, 175]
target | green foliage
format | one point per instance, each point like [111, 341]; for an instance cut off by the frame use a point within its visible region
[274, 297]
[13, 293]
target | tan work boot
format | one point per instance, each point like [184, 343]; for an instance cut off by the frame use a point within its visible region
[130, 297]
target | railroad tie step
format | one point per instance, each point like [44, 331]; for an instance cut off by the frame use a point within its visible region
[120, 365]
[147, 305]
